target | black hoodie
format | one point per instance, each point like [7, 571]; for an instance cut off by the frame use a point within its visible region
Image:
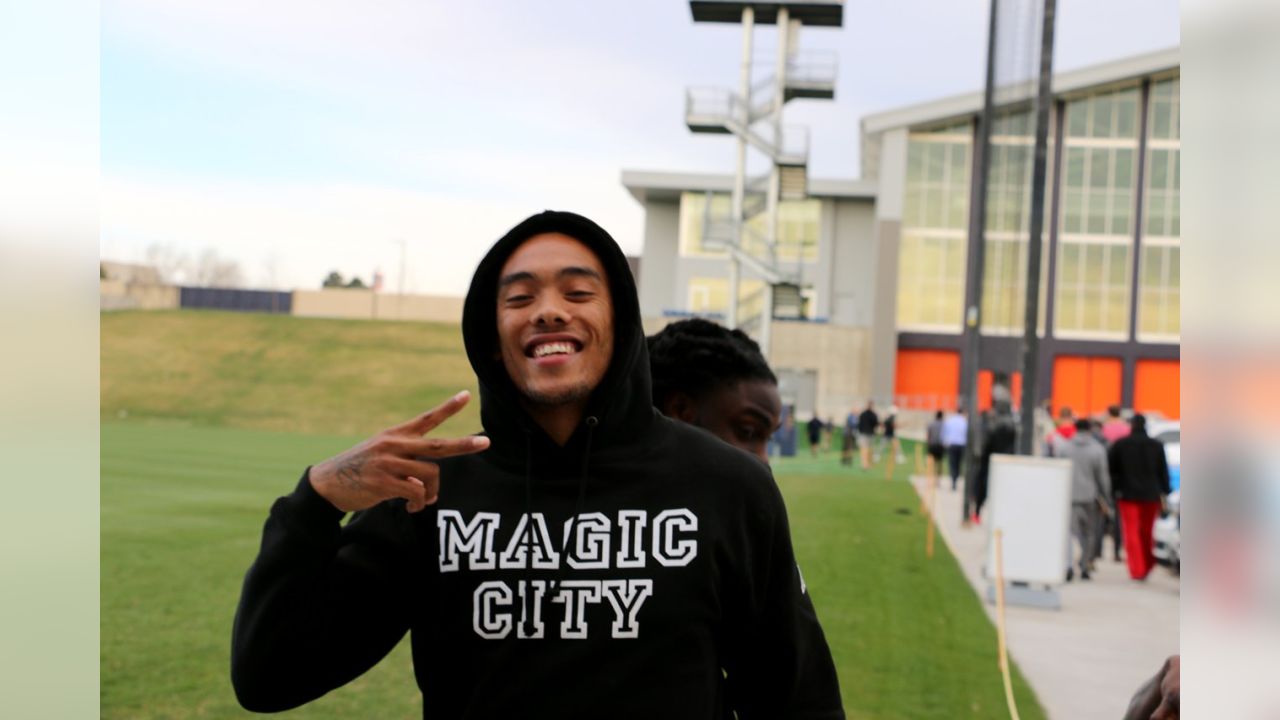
[678, 595]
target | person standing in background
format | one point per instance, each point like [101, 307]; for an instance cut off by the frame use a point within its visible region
[933, 444]
[999, 436]
[955, 435]
[1090, 488]
[868, 421]
[815, 434]
[1064, 430]
[1114, 428]
[1140, 477]
[849, 442]
[1043, 428]
[714, 378]
[890, 425]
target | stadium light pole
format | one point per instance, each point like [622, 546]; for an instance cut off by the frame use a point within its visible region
[972, 359]
[1039, 168]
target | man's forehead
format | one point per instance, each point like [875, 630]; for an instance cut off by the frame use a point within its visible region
[551, 252]
[759, 396]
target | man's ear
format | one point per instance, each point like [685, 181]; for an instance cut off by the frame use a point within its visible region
[679, 406]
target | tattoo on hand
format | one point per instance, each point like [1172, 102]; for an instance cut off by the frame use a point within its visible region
[349, 470]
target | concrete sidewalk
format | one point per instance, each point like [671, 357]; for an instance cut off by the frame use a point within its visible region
[1086, 660]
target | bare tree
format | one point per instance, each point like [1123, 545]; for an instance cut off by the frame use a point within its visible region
[173, 265]
[214, 271]
[270, 267]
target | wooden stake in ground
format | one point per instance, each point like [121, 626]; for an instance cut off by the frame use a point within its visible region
[888, 466]
[928, 538]
[1000, 630]
[919, 458]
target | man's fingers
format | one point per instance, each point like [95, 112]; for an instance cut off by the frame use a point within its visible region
[431, 493]
[437, 448]
[431, 419]
[1165, 711]
[422, 479]
[410, 488]
[404, 468]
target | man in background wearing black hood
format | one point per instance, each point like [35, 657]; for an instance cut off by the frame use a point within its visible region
[586, 558]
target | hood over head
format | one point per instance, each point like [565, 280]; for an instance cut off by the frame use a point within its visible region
[621, 404]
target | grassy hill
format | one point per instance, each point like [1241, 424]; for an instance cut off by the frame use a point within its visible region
[207, 417]
[278, 372]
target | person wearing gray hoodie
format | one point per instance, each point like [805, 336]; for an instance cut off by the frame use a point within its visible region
[1090, 490]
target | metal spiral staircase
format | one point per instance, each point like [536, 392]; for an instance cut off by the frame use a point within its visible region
[753, 115]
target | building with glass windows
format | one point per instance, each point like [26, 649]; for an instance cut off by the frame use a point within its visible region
[883, 258]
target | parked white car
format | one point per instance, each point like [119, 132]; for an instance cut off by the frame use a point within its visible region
[1168, 527]
[1167, 535]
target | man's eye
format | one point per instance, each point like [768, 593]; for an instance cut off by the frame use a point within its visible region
[748, 433]
[579, 294]
[513, 299]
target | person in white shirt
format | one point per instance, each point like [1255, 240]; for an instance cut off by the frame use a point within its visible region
[955, 435]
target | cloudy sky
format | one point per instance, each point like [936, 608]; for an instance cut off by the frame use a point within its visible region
[302, 137]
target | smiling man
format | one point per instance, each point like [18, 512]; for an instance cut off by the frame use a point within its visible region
[586, 558]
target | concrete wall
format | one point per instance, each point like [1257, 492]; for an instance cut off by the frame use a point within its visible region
[660, 257]
[119, 295]
[366, 305]
[888, 238]
[852, 263]
[840, 356]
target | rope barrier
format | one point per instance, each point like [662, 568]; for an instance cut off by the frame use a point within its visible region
[1000, 630]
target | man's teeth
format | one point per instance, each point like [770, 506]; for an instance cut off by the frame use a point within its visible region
[555, 348]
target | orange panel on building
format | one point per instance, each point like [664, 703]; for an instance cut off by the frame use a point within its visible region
[1087, 385]
[1155, 387]
[927, 379]
[985, 378]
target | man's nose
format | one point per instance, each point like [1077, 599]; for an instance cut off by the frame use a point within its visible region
[550, 311]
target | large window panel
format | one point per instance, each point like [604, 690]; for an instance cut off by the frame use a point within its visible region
[693, 207]
[799, 227]
[1096, 226]
[1159, 296]
[710, 295]
[931, 262]
[1009, 223]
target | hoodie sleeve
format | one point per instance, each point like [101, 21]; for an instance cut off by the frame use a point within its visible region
[1103, 476]
[322, 603]
[1115, 463]
[779, 665]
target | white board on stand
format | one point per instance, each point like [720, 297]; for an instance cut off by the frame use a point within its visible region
[1030, 502]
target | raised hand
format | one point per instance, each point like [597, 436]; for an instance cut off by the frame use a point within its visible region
[395, 463]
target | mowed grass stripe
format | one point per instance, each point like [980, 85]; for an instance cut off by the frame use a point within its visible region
[183, 509]
[209, 416]
[283, 373]
[177, 537]
[909, 636]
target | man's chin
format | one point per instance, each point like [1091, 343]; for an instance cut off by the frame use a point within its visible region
[554, 397]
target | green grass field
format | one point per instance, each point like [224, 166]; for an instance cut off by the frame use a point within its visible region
[189, 472]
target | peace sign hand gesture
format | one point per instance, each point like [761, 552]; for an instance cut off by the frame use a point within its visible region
[395, 463]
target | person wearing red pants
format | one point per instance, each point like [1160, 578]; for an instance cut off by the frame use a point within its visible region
[1140, 483]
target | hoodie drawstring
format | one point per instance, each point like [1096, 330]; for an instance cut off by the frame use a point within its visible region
[591, 422]
[528, 513]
